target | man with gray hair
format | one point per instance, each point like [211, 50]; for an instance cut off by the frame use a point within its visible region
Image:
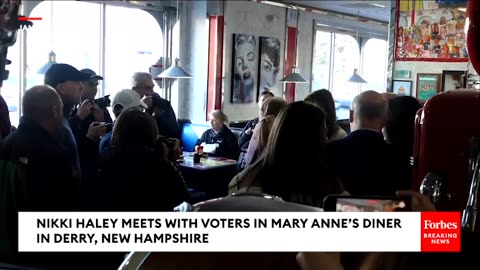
[363, 161]
[36, 172]
[158, 107]
[142, 83]
[369, 111]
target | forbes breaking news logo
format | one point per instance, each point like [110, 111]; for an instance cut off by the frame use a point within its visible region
[441, 232]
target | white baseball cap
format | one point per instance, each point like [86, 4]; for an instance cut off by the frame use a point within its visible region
[128, 99]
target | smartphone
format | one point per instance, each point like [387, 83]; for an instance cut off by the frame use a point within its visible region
[342, 203]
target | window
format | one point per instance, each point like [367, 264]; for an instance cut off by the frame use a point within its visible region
[74, 33]
[321, 61]
[375, 65]
[130, 46]
[336, 56]
[74, 39]
[346, 58]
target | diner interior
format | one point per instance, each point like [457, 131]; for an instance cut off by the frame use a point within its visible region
[239, 105]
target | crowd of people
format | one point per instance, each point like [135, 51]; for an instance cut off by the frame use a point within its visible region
[69, 154]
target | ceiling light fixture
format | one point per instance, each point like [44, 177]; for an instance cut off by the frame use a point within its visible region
[295, 76]
[175, 71]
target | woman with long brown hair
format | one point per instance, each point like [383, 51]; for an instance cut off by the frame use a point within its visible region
[324, 100]
[293, 164]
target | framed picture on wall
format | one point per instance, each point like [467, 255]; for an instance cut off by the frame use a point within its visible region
[428, 85]
[402, 88]
[427, 31]
[453, 79]
[269, 65]
[244, 68]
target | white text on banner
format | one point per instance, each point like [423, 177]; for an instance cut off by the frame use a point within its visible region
[219, 231]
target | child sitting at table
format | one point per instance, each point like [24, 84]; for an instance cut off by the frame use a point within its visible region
[219, 138]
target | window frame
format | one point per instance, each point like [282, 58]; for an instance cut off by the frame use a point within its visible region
[362, 38]
[22, 37]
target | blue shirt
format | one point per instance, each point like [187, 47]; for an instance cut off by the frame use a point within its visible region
[105, 141]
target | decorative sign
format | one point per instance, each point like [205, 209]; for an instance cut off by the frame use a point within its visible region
[426, 33]
[427, 85]
[403, 74]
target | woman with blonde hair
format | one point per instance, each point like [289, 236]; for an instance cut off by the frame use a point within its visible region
[221, 136]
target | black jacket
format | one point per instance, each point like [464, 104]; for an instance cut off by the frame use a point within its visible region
[87, 149]
[367, 165]
[228, 147]
[166, 120]
[36, 174]
[137, 178]
[244, 139]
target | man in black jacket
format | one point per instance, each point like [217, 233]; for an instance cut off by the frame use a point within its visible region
[160, 108]
[68, 82]
[363, 161]
[36, 172]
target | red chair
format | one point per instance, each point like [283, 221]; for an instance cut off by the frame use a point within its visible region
[443, 152]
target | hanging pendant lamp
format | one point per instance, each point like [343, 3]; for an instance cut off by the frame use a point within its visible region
[356, 78]
[295, 76]
[51, 56]
[51, 61]
[175, 72]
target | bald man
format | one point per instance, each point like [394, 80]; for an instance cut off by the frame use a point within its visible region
[369, 111]
[36, 171]
[365, 163]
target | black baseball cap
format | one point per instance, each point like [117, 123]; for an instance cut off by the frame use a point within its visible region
[92, 73]
[60, 73]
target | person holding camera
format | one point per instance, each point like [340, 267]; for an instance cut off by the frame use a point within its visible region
[90, 112]
[68, 82]
[91, 109]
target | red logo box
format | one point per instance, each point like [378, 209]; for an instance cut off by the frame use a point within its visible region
[441, 232]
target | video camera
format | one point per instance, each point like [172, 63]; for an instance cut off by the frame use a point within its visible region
[9, 25]
[103, 102]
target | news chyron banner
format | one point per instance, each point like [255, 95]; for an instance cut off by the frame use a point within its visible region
[239, 231]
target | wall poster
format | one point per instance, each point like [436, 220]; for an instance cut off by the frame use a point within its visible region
[429, 33]
[244, 68]
[428, 85]
[269, 65]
